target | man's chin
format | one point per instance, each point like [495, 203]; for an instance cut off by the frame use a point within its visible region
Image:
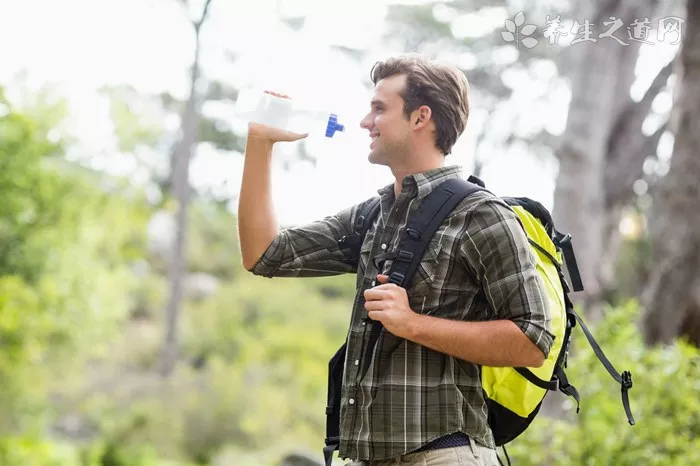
[375, 158]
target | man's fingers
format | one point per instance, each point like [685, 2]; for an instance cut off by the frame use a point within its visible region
[374, 294]
[375, 305]
[291, 136]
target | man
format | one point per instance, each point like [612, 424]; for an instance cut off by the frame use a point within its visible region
[476, 298]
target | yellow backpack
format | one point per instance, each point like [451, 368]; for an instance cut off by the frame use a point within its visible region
[514, 394]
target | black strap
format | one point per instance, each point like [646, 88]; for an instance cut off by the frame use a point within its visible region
[564, 243]
[624, 379]
[335, 381]
[421, 227]
[476, 180]
[379, 259]
[566, 388]
[544, 251]
[419, 230]
[532, 378]
[328, 453]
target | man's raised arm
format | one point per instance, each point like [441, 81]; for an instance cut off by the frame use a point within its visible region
[257, 222]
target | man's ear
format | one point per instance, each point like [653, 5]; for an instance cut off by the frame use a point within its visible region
[421, 116]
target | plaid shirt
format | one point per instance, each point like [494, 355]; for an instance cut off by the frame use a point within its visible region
[478, 266]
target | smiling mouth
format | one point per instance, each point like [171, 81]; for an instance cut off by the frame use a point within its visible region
[374, 141]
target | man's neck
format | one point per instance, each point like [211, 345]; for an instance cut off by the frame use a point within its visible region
[422, 165]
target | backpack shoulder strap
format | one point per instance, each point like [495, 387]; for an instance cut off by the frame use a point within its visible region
[421, 227]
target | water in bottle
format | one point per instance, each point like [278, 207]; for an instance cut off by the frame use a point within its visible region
[258, 106]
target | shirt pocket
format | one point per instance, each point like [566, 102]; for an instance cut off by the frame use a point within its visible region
[421, 284]
[425, 273]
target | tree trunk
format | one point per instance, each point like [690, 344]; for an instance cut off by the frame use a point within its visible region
[671, 301]
[181, 190]
[602, 75]
[628, 148]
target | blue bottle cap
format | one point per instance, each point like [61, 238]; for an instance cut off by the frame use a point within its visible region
[333, 126]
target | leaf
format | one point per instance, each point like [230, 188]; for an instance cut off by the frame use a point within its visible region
[519, 19]
[528, 29]
[510, 25]
[529, 42]
[507, 36]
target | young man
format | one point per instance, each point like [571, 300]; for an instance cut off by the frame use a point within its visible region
[476, 298]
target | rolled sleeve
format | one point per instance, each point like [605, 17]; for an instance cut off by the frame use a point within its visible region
[497, 248]
[309, 250]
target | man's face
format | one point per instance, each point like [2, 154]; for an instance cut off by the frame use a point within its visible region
[388, 127]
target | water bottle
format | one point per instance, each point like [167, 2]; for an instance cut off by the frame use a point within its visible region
[257, 106]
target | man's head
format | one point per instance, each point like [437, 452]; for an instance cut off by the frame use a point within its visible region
[417, 102]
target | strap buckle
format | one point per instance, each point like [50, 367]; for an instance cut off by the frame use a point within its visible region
[405, 256]
[626, 383]
[396, 278]
[559, 387]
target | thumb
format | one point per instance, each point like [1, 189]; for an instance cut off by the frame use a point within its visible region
[383, 278]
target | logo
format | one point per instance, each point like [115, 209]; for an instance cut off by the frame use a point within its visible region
[515, 33]
[554, 29]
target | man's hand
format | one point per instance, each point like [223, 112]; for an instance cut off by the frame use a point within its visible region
[388, 304]
[492, 343]
[272, 135]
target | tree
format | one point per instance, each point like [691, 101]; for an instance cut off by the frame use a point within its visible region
[672, 297]
[181, 189]
[601, 74]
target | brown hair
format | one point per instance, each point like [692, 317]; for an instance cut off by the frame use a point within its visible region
[442, 87]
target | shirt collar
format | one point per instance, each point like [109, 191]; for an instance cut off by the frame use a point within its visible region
[424, 182]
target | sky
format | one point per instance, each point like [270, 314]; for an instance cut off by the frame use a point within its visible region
[79, 46]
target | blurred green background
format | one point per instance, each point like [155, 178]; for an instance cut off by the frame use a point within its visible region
[130, 334]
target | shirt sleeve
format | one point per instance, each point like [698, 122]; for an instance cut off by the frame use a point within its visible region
[497, 249]
[309, 250]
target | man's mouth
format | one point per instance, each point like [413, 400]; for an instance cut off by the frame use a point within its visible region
[374, 140]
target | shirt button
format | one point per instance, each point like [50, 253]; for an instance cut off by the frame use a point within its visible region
[357, 362]
[351, 401]
[374, 282]
[364, 323]
[384, 246]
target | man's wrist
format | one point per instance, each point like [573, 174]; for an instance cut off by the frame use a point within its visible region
[415, 326]
[260, 140]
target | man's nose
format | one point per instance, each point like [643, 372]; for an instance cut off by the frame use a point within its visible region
[366, 123]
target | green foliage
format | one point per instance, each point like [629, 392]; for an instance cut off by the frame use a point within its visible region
[63, 244]
[30, 451]
[29, 209]
[261, 335]
[666, 410]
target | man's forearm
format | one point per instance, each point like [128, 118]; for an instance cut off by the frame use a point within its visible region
[498, 343]
[257, 223]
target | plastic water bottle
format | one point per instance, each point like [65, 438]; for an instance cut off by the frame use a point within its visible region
[257, 106]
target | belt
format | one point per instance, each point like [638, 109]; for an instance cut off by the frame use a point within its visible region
[457, 439]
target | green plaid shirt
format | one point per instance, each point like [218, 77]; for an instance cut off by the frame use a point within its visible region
[478, 266]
